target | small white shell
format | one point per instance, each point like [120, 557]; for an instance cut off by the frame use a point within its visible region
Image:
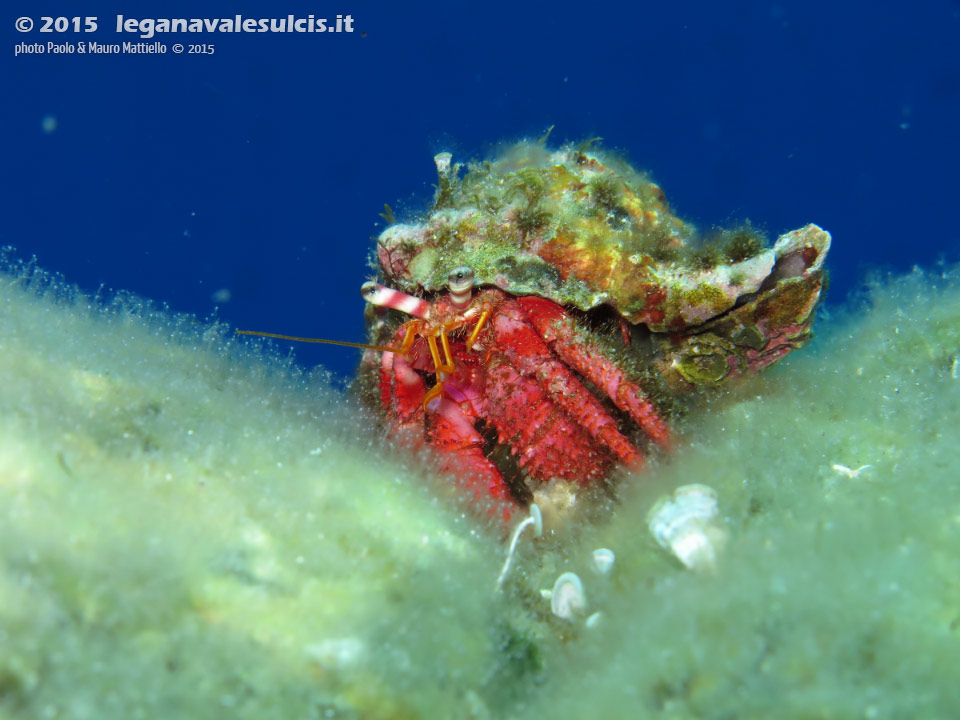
[442, 161]
[688, 526]
[603, 559]
[568, 598]
[594, 619]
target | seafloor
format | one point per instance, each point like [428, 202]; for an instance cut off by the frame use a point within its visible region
[192, 527]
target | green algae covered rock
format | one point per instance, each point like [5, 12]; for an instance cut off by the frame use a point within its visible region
[192, 529]
[836, 592]
[195, 528]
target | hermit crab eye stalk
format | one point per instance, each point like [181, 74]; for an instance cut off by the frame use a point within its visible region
[461, 278]
[377, 294]
[369, 291]
[460, 282]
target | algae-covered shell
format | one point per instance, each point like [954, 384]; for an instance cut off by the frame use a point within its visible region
[761, 329]
[581, 228]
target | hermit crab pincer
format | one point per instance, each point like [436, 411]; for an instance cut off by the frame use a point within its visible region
[539, 323]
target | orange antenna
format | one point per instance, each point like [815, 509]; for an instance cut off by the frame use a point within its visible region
[375, 294]
[362, 346]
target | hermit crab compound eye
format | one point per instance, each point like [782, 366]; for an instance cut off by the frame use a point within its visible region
[460, 278]
[460, 282]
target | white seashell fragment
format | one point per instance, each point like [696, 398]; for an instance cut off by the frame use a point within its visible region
[568, 598]
[688, 526]
[603, 559]
[594, 619]
[442, 161]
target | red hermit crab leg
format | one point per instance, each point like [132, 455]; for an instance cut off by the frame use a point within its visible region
[404, 395]
[532, 357]
[461, 446]
[557, 329]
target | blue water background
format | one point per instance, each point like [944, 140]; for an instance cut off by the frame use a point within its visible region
[262, 169]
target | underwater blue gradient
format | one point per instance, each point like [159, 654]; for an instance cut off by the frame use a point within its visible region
[262, 169]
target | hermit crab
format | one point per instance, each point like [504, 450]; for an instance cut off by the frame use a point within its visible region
[539, 323]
